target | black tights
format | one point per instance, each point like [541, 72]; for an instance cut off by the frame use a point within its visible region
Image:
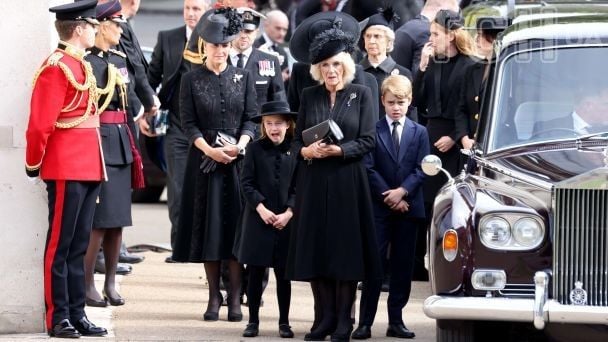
[255, 289]
[334, 299]
[212, 270]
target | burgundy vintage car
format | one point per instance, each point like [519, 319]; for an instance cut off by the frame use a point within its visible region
[518, 246]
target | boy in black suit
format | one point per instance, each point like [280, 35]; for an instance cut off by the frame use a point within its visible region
[395, 179]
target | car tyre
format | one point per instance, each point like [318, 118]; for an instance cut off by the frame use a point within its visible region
[454, 331]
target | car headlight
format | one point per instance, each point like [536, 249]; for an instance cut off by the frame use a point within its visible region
[495, 232]
[511, 231]
[528, 232]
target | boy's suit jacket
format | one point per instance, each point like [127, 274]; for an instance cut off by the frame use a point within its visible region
[387, 170]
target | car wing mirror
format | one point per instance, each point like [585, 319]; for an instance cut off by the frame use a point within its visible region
[431, 166]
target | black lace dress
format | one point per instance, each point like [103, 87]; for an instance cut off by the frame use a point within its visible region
[211, 202]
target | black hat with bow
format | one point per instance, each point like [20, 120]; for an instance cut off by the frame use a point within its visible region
[219, 26]
[324, 35]
[385, 17]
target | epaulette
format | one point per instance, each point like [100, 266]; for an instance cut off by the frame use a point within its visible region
[54, 58]
[119, 53]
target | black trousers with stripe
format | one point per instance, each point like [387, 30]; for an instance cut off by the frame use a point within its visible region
[71, 209]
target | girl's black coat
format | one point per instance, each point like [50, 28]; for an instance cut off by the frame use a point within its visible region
[265, 178]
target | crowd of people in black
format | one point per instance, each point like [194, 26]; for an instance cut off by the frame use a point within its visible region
[311, 168]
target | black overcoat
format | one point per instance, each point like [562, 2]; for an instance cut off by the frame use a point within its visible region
[467, 115]
[439, 109]
[265, 178]
[333, 232]
[211, 202]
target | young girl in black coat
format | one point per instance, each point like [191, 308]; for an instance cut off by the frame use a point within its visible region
[264, 235]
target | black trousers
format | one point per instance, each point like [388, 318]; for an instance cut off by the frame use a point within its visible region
[71, 209]
[400, 234]
[176, 152]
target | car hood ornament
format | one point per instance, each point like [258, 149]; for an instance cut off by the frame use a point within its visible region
[578, 295]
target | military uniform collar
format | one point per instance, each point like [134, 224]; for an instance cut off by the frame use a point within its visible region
[71, 50]
[98, 52]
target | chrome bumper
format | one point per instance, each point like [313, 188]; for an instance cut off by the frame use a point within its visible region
[539, 310]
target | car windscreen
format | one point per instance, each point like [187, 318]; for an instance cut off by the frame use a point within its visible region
[550, 94]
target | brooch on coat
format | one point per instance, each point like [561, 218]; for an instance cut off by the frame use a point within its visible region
[237, 78]
[350, 98]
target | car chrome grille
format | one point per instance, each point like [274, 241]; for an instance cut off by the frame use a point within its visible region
[580, 245]
[518, 290]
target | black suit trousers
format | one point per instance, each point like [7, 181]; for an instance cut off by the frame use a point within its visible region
[400, 234]
[71, 209]
[176, 151]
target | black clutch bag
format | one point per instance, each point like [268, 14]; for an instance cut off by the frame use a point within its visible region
[327, 131]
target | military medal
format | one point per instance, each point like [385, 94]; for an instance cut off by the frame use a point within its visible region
[266, 68]
[124, 73]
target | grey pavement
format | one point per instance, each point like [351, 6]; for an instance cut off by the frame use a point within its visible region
[165, 302]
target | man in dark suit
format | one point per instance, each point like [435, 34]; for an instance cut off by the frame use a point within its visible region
[166, 69]
[272, 39]
[395, 179]
[264, 67]
[588, 117]
[138, 68]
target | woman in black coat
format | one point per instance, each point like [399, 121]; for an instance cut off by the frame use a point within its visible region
[266, 180]
[467, 115]
[333, 242]
[215, 98]
[437, 90]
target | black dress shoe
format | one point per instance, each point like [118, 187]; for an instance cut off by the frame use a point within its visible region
[285, 331]
[251, 330]
[129, 258]
[96, 303]
[363, 332]
[64, 329]
[86, 328]
[399, 330]
[169, 260]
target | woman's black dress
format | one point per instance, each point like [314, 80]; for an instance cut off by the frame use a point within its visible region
[211, 202]
[266, 178]
[113, 210]
[333, 233]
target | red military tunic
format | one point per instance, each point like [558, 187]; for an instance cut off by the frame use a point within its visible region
[57, 153]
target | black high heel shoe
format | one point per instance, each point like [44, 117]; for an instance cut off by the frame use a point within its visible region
[321, 332]
[96, 303]
[117, 301]
[210, 315]
[234, 316]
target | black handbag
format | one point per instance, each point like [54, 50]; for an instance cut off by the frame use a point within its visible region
[221, 139]
[327, 131]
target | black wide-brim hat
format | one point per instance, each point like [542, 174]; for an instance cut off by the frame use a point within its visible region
[274, 108]
[219, 26]
[324, 35]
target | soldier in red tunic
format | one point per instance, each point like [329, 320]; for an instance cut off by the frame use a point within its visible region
[63, 149]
